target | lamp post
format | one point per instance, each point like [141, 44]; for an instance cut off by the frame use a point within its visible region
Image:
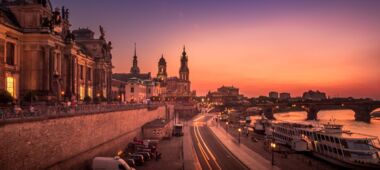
[226, 127]
[239, 130]
[63, 95]
[273, 146]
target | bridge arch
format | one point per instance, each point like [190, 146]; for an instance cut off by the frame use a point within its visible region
[362, 112]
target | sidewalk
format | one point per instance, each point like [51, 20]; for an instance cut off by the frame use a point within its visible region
[250, 158]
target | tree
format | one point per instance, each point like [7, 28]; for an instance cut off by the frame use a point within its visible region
[5, 97]
[87, 99]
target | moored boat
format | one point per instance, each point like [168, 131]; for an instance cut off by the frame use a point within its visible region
[331, 143]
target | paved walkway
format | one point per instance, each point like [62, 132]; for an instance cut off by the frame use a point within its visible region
[250, 158]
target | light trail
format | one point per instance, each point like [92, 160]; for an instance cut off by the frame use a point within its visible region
[202, 145]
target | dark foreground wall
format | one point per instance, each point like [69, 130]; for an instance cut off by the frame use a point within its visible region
[70, 142]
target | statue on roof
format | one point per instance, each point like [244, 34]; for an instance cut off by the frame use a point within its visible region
[42, 2]
[102, 33]
[65, 13]
[109, 45]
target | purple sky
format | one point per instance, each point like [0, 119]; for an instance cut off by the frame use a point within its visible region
[258, 45]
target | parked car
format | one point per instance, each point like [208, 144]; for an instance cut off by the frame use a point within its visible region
[145, 154]
[138, 158]
[109, 163]
[131, 162]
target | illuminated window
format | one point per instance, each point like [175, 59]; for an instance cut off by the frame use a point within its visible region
[81, 92]
[89, 91]
[10, 85]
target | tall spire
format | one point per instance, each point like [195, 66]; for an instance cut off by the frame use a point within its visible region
[184, 69]
[135, 68]
[135, 50]
[184, 51]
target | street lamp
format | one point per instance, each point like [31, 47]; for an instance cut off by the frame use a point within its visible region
[226, 126]
[273, 146]
[239, 135]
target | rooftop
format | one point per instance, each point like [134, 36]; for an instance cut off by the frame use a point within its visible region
[158, 123]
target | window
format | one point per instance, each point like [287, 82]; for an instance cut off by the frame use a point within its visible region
[10, 85]
[89, 92]
[132, 89]
[81, 92]
[89, 74]
[81, 72]
[10, 60]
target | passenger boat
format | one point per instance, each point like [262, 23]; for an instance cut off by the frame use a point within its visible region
[331, 143]
[262, 126]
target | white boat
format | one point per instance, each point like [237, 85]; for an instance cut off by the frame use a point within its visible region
[331, 143]
[263, 126]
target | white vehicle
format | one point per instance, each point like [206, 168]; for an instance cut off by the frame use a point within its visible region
[108, 163]
[263, 126]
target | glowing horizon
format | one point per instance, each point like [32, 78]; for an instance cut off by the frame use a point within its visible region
[258, 46]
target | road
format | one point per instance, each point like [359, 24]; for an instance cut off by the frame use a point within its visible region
[211, 153]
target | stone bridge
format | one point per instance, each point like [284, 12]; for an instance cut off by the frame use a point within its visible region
[362, 109]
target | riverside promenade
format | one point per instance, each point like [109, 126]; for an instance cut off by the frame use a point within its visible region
[247, 156]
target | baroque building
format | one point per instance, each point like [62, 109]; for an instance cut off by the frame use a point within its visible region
[40, 55]
[179, 87]
[162, 87]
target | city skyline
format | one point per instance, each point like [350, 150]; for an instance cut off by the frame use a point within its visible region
[266, 46]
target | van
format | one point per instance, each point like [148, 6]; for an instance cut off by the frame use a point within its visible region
[109, 163]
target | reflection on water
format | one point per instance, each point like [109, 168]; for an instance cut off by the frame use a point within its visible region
[343, 117]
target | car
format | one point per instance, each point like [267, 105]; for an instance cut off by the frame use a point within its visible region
[109, 163]
[131, 162]
[138, 158]
[146, 155]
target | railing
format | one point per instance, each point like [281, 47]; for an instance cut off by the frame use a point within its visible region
[9, 114]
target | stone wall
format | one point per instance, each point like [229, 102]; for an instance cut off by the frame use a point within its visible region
[70, 142]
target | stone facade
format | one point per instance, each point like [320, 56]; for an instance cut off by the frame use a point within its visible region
[69, 142]
[162, 87]
[39, 54]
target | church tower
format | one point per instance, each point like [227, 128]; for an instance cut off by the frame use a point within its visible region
[135, 70]
[162, 74]
[184, 70]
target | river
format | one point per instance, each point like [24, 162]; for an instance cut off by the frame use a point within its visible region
[343, 117]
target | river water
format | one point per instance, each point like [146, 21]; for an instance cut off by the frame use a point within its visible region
[343, 117]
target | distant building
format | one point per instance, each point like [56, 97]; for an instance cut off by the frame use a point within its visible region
[285, 96]
[177, 87]
[135, 91]
[228, 91]
[224, 94]
[314, 95]
[161, 87]
[134, 72]
[273, 95]
[118, 91]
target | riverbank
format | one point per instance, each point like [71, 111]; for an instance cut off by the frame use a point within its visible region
[288, 161]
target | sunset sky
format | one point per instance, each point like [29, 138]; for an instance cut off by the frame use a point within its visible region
[256, 45]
